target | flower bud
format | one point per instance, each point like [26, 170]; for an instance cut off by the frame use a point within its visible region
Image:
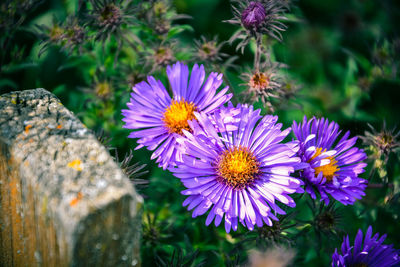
[253, 15]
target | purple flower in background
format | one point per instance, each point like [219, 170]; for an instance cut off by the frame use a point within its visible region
[235, 165]
[369, 253]
[332, 166]
[159, 118]
[253, 15]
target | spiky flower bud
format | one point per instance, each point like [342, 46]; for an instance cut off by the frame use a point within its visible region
[69, 36]
[253, 15]
[209, 50]
[264, 84]
[383, 142]
[258, 18]
[163, 56]
[56, 33]
[103, 89]
[110, 16]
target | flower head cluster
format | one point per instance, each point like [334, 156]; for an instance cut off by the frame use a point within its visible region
[158, 15]
[331, 167]
[69, 35]
[235, 165]
[112, 18]
[159, 118]
[368, 252]
[231, 159]
[13, 13]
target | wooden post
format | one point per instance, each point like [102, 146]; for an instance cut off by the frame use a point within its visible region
[63, 200]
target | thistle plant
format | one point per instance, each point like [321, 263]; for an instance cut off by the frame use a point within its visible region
[110, 18]
[381, 146]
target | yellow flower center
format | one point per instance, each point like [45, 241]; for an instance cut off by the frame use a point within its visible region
[259, 81]
[328, 170]
[177, 115]
[237, 167]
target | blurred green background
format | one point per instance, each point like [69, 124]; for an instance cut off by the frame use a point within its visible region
[343, 64]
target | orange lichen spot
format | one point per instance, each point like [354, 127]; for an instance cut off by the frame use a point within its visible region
[13, 188]
[329, 170]
[75, 164]
[27, 128]
[59, 126]
[26, 163]
[76, 199]
[177, 115]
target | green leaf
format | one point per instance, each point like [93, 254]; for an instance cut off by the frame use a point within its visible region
[7, 83]
[75, 62]
[18, 67]
[178, 29]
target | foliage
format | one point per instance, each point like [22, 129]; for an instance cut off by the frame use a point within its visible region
[335, 59]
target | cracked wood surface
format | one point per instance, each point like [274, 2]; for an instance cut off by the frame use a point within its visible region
[63, 200]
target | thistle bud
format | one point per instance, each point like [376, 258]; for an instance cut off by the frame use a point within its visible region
[253, 16]
[163, 56]
[110, 16]
[103, 89]
[209, 50]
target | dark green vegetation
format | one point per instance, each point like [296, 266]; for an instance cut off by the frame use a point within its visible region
[343, 60]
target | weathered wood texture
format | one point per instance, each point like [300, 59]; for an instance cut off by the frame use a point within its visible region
[63, 200]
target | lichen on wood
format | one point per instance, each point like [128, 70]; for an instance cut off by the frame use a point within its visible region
[64, 201]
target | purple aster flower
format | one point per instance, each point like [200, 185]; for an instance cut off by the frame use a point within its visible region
[235, 165]
[159, 118]
[370, 253]
[332, 167]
